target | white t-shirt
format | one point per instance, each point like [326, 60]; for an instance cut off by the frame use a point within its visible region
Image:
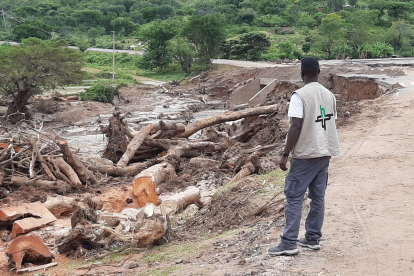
[295, 106]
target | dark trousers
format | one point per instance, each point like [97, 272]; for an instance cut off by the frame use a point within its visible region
[303, 174]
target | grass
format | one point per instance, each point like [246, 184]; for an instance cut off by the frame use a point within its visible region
[159, 271]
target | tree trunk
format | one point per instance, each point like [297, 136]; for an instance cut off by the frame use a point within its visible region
[67, 170]
[18, 111]
[251, 166]
[31, 248]
[46, 169]
[180, 201]
[147, 181]
[57, 186]
[130, 170]
[58, 205]
[83, 173]
[226, 117]
[134, 145]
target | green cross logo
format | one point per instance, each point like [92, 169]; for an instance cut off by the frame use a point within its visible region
[323, 117]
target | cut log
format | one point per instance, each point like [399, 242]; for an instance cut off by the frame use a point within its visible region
[42, 161]
[180, 201]
[31, 249]
[134, 145]
[85, 175]
[146, 182]
[40, 217]
[251, 166]
[57, 186]
[130, 170]
[226, 117]
[58, 205]
[67, 170]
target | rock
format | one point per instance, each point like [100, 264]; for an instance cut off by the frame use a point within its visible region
[132, 265]
[178, 261]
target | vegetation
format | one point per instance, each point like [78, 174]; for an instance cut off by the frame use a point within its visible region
[100, 92]
[190, 33]
[35, 66]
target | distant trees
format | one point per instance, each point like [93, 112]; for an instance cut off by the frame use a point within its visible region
[206, 33]
[33, 29]
[331, 31]
[33, 67]
[247, 46]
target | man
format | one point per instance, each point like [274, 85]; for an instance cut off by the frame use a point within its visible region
[311, 141]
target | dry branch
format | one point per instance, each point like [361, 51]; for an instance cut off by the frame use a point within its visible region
[130, 170]
[56, 186]
[83, 173]
[134, 145]
[46, 169]
[226, 117]
[251, 166]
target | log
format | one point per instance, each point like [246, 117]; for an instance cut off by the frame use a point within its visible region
[58, 205]
[146, 182]
[31, 248]
[180, 201]
[130, 170]
[57, 186]
[226, 117]
[67, 170]
[251, 166]
[46, 169]
[85, 175]
[167, 130]
[2, 174]
[134, 145]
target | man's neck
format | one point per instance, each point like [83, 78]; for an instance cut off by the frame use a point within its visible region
[306, 81]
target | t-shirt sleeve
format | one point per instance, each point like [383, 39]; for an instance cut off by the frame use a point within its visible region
[295, 106]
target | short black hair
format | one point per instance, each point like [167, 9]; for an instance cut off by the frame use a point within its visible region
[310, 65]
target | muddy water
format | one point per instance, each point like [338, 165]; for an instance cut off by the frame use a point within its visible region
[90, 142]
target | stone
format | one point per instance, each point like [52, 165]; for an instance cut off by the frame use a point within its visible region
[179, 261]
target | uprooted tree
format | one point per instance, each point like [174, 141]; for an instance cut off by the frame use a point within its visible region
[33, 67]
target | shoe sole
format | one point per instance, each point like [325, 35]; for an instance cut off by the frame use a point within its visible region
[313, 247]
[285, 252]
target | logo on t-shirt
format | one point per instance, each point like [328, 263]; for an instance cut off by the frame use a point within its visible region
[323, 118]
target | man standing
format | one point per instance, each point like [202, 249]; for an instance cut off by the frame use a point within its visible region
[311, 141]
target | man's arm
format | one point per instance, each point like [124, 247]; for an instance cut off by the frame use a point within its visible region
[292, 138]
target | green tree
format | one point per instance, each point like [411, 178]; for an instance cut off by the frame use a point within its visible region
[206, 33]
[122, 25]
[34, 29]
[33, 67]
[331, 31]
[248, 46]
[336, 5]
[362, 22]
[306, 47]
[183, 52]
[399, 34]
[156, 36]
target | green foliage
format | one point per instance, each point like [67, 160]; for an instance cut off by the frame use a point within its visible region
[247, 46]
[306, 47]
[36, 29]
[157, 36]
[35, 66]
[100, 92]
[335, 5]
[331, 31]
[206, 33]
[183, 52]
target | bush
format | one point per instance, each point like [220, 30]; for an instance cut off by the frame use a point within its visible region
[100, 92]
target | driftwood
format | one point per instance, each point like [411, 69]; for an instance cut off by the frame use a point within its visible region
[180, 201]
[164, 130]
[57, 186]
[46, 169]
[251, 166]
[134, 145]
[31, 248]
[130, 170]
[146, 182]
[226, 117]
[85, 175]
[67, 170]
[59, 205]
[35, 268]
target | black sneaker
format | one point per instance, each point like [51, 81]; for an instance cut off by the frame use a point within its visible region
[310, 244]
[282, 250]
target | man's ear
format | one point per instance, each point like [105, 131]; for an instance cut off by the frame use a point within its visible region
[319, 70]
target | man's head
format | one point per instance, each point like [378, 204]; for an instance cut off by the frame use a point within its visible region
[309, 69]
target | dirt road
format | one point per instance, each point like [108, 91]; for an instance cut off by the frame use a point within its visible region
[369, 218]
